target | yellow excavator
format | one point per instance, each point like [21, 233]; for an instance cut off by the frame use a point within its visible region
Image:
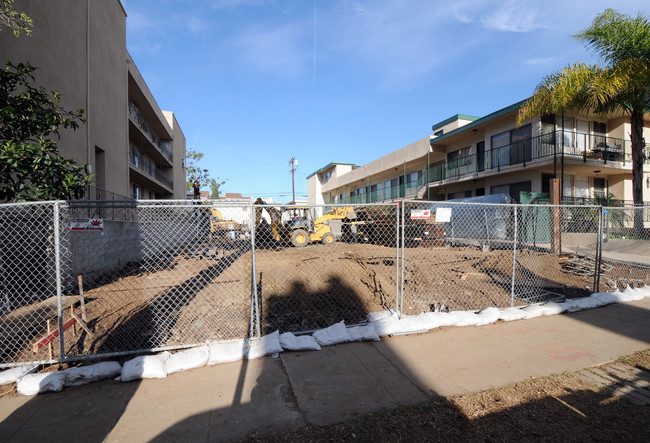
[300, 230]
[224, 228]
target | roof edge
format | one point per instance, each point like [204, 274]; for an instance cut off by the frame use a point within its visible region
[479, 121]
[454, 118]
[354, 165]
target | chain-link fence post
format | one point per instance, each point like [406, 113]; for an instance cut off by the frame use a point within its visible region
[514, 259]
[255, 306]
[57, 270]
[599, 250]
[398, 266]
[403, 206]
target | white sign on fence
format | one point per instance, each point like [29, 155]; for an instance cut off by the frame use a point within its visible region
[87, 224]
[420, 214]
[443, 215]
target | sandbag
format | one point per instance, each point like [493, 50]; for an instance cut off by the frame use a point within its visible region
[227, 352]
[363, 333]
[259, 347]
[32, 384]
[147, 366]
[336, 333]
[188, 359]
[15, 374]
[291, 342]
[87, 374]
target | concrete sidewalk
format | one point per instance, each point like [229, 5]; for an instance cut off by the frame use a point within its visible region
[231, 401]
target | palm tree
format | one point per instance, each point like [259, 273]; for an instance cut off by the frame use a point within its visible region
[621, 85]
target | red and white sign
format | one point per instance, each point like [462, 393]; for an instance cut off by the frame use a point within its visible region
[420, 214]
[87, 224]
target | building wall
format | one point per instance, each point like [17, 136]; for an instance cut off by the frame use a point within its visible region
[78, 46]
[178, 149]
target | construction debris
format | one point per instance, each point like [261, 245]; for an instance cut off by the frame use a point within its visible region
[583, 267]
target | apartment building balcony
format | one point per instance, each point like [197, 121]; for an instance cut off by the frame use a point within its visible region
[150, 171]
[161, 147]
[579, 151]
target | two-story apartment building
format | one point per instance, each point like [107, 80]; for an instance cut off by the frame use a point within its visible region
[470, 156]
[131, 146]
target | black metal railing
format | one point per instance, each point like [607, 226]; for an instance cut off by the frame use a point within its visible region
[163, 146]
[149, 168]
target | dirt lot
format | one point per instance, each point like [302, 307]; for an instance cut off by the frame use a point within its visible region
[204, 293]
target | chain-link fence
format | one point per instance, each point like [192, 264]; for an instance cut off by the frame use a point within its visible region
[87, 279]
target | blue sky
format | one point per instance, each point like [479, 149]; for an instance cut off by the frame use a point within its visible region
[256, 82]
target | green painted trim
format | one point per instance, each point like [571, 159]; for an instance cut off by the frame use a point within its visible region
[324, 168]
[454, 118]
[480, 121]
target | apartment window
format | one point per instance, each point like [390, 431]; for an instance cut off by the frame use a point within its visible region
[459, 157]
[439, 133]
[327, 176]
[500, 189]
[513, 190]
[480, 192]
[136, 192]
[600, 133]
[568, 138]
[412, 179]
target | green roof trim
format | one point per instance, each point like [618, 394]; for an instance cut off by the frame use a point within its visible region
[454, 118]
[330, 165]
[479, 121]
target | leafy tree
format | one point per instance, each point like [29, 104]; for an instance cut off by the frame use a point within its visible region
[16, 22]
[31, 167]
[192, 169]
[622, 84]
[215, 192]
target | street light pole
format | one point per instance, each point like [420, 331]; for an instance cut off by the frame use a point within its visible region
[293, 163]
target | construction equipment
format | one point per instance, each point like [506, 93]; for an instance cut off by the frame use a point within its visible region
[220, 228]
[300, 230]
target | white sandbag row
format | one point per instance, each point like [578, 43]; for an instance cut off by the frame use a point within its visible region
[15, 374]
[31, 384]
[390, 323]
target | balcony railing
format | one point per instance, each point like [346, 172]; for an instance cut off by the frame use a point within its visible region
[585, 147]
[149, 168]
[163, 146]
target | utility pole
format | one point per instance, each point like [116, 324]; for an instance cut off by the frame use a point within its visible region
[293, 163]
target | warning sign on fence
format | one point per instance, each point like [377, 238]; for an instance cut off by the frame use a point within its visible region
[420, 214]
[443, 215]
[87, 224]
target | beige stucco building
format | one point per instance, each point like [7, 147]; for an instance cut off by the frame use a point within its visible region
[470, 156]
[132, 147]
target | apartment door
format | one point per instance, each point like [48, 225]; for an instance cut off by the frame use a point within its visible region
[480, 156]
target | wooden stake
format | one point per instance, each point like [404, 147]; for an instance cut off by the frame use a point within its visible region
[81, 297]
[74, 325]
[49, 345]
[84, 326]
